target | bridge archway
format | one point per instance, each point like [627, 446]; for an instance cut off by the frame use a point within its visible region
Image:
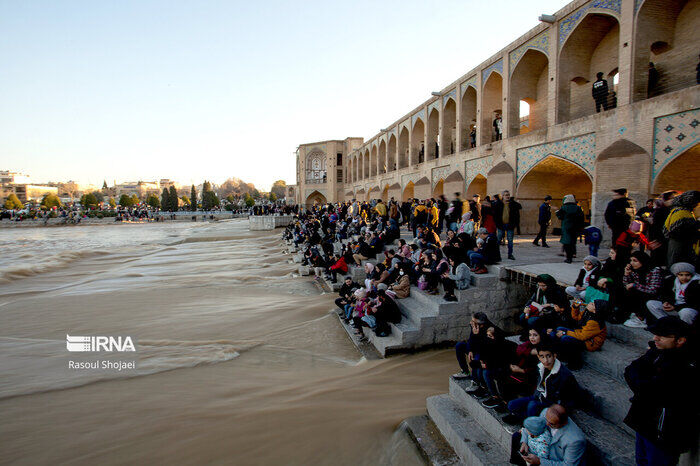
[422, 188]
[467, 119]
[555, 177]
[408, 192]
[529, 83]
[501, 177]
[394, 191]
[663, 31]
[454, 183]
[477, 186]
[433, 148]
[418, 149]
[365, 165]
[315, 199]
[491, 105]
[383, 163]
[448, 133]
[403, 148]
[438, 190]
[373, 161]
[391, 153]
[592, 47]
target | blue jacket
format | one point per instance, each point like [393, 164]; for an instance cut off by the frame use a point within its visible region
[567, 447]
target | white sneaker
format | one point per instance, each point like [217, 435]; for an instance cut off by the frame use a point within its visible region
[635, 322]
[460, 375]
[472, 387]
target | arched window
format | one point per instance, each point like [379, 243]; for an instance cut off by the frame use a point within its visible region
[316, 168]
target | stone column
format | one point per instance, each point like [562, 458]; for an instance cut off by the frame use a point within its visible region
[625, 56]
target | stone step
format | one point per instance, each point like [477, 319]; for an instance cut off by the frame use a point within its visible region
[365, 348]
[304, 270]
[637, 337]
[470, 442]
[607, 397]
[416, 311]
[614, 446]
[385, 346]
[612, 359]
[431, 444]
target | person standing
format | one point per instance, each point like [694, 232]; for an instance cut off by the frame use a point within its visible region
[472, 133]
[600, 93]
[572, 219]
[508, 220]
[544, 218]
[498, 127]
[456, 215]
[442, 206]
[617, 213]
[664, 408]
[475, 209]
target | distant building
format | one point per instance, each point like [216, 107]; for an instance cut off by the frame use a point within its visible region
[20, 185]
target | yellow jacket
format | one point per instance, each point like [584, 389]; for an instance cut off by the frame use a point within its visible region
[591, 333]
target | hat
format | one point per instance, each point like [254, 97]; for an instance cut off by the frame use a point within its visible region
[679, 267]
[535, 425]
[669, 326]
[620, 191]
[548, 197]
[593, 260]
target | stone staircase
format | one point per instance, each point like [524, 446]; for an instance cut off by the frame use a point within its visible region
[479, 436]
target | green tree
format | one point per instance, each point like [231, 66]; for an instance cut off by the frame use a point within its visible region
[125, 200]
[165, 199]
[174, 200]
[104, 184]
[185, 200]
[206, 187]
[256, 194]
[230, 198]
[279, 188]
[273, 197]
[88, 201]
[12, 202]
[112, 204]
[50, 201]
[135, 199]
[153, 201]
[209, 200]
[98, 196]
[193, 198]
[249, 201]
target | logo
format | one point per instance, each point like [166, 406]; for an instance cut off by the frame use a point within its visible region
[99, 343]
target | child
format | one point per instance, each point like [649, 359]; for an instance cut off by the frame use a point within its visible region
[587, 276]
[680, 294]
[593, 237]
[539, 437]
[589, 335]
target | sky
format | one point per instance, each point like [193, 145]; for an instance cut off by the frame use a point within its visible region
[202, 89]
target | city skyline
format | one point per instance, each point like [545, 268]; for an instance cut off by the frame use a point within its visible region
[170, 89]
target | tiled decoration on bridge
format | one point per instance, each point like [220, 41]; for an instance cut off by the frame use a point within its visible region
[579, 150]
[404, 124]
[434, 105]
[637, 5]
[469, 82]
[452, 94]
[321, 148]
[439, 173]
[417, 115]
[570, 22]
[673, 135]
[410, 178]
[539, 42]
[498, 66]
[476, 167]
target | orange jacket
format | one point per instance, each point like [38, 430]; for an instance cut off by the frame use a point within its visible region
[591, 333]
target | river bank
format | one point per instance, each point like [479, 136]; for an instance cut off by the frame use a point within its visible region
[61, 222]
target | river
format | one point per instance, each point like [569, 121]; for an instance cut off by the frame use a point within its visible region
[238, 361]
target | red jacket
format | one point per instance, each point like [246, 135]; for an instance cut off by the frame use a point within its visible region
[340, 266]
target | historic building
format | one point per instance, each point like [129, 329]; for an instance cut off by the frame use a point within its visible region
[644, 138]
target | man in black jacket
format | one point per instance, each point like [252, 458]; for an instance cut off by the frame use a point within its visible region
[543, 220]
[664, 409]
[617, 213]
[600, 93]
[507, 216]
[345, 292]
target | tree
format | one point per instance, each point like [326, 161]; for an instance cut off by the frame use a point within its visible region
[126, 201]
[112, 204]
[153, 201]
[193, 199]
[98, 196]
[12, 202]
[273, 197]
[185, 200]
[174, 200]
[165, 199]
[135, 199]
[70, 188]
[230, 199]
[255, 194]
[88, 201]
[279, 188]
[249, 201]
[50, 201]
[206, 187]
[209, 200]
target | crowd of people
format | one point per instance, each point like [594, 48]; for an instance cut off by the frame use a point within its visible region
[648, 280]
